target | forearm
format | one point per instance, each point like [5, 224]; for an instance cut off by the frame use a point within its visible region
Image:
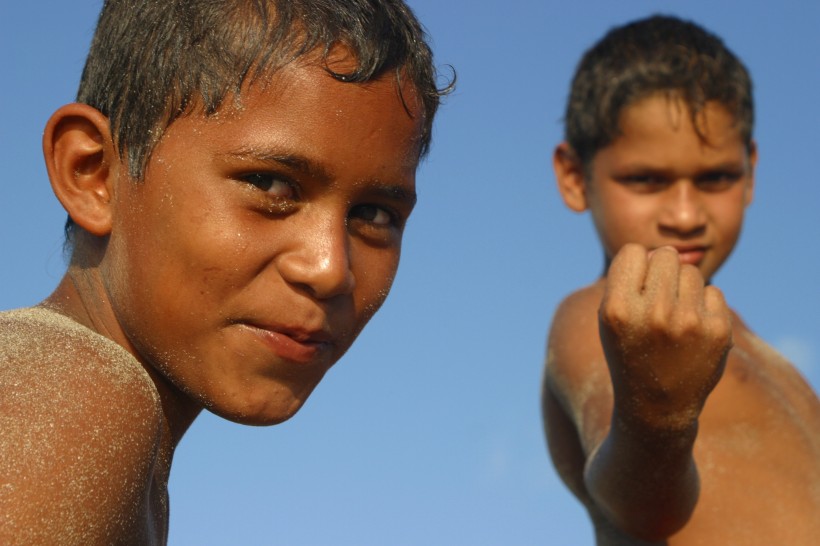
[644, 481]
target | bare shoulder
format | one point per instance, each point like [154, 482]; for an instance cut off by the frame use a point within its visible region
[751, 354]
[576, 318]
[758, 376]
[759, 431]
[81, 423]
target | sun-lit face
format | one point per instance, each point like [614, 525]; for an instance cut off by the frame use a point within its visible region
[660, 183]
[263, 239]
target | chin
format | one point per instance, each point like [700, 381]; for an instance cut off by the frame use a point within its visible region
[262, 409]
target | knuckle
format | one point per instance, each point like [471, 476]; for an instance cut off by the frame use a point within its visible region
[657, 322]
[613, 312]
[691, 274]
[689, 322]
[722, 330]
[632, 248]
[616, 313]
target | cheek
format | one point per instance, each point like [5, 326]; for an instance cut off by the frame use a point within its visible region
[620, 221]
[374, 270]
[180, 266]
[205, 268]
[729, 223]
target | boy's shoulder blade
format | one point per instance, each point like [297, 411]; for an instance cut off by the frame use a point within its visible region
[81, 422]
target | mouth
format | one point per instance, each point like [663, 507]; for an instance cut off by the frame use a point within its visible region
[691, 254]
[292, 343]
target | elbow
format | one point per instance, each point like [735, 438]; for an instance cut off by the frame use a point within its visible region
[655, 531]
[651, 518]
[648, 525]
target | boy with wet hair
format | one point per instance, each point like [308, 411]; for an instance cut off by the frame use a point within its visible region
[665, 415]
[238, 176]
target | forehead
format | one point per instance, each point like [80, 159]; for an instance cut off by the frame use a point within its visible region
[660, 129]
[303, 108]
[664, 111]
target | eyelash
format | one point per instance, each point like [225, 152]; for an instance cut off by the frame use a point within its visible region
[392, 216]
[265, 181]
[717, 181]
[643, 179]
[711, 181]
[646, 183]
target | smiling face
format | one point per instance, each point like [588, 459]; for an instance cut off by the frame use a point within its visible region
[263, 238]
[661, 183]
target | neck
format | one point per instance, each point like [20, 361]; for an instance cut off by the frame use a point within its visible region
[81, 295]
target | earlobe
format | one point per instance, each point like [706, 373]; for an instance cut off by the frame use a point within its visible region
[569, 175]
[79, 154]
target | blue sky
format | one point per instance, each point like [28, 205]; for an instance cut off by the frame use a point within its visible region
[428, 431]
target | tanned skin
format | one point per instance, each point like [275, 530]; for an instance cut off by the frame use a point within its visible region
[665, 415]
[232, 277]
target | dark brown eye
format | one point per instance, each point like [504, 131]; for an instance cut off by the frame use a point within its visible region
[718, 180]
[644, 183]
[374, 214]
[271, 183]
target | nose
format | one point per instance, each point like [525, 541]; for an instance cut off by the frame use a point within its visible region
[318, 260]
[682, 211]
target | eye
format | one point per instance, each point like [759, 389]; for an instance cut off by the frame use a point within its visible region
[718, 180]
[644, 182]
[642, 179]
[375, 215]
[274, 185]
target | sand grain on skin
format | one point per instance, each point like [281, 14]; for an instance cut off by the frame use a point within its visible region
[72, 404]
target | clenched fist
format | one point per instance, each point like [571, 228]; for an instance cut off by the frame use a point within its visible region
[665, 336]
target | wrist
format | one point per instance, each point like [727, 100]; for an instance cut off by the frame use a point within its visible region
[668, 430]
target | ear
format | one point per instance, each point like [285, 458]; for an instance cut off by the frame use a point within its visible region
[569, 174]
[750, 188]
[79, 155]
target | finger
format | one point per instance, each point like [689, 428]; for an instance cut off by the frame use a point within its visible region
[627, 271]
[718, 316]
[690, 287]
[714, 303]
[661, 284]
[622, 295]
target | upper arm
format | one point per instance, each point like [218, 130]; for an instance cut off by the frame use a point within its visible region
[80, 440]
[577, 391]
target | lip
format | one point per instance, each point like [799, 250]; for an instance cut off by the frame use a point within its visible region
[295, 344]
[690, 254]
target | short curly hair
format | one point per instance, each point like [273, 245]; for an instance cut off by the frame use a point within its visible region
[659, 54]
[151, 61]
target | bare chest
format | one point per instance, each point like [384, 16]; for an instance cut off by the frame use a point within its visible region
[758, 453]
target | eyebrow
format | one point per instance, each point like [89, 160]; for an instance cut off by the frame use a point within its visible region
[295, 162]
[648, 167]
[395, 192]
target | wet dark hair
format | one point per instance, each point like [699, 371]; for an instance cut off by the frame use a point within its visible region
[152, 61]
[660, 54]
